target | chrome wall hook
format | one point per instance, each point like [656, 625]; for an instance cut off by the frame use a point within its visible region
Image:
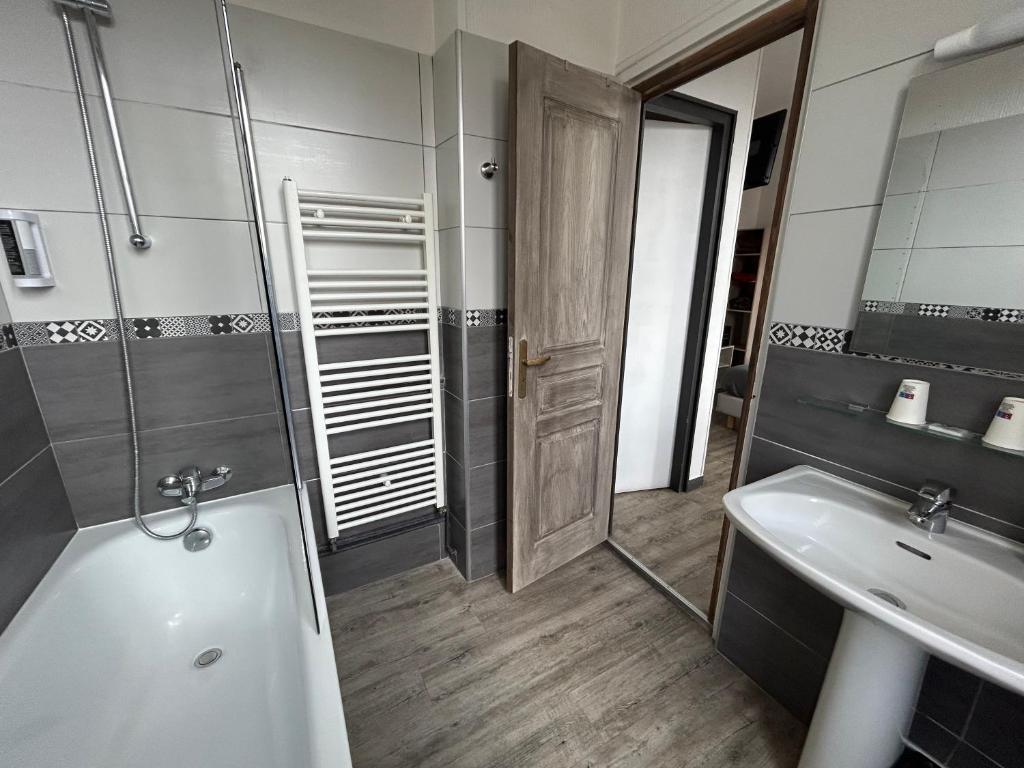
[489, 168]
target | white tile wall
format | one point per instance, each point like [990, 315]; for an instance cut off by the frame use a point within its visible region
[898, 221]
[183, 163]
[992, 214]
[165, 53]
[157, 52]
[848, 139]
[449, 256]
[43, 164]
[886, 270]
[485, 268]
[427, 99]
[822, 268]
[912, 164]
[856, 36]
[446, 98]
[82, 289]
[485, 198]
[485, 87]
[448, 183]
[983, 153]
[166, 69]
[32, 47]
[965, 92]
[300, 74]
[334, 162]
[194, 267]
[987, 277]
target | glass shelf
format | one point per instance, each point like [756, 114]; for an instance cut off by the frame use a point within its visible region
[865, 412]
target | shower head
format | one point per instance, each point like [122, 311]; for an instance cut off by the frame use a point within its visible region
[99, 7]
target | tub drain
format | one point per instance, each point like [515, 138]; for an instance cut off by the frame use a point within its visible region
[889, 597]
[208, 657]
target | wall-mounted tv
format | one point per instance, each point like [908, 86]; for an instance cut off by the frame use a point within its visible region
[765, 137]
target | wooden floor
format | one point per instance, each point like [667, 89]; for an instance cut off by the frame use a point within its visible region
[590, 666]
[676, 534]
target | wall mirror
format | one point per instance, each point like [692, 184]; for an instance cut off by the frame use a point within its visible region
[945, 282]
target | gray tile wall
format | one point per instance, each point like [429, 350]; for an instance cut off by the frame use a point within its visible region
[779, 630]
[36, 522]
[207, 401]
[472, 252]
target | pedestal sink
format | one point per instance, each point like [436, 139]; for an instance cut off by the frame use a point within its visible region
[906, 593]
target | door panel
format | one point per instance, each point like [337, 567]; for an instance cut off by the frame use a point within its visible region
[573, 149]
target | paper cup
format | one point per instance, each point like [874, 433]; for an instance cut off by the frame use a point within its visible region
[910, 406]
[1007, 427]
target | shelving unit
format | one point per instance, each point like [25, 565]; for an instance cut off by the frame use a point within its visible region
[744, 290]
[854, 410]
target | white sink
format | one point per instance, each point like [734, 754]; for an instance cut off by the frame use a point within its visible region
[961, 595]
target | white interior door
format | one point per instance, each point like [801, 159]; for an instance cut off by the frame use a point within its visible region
[673, 167]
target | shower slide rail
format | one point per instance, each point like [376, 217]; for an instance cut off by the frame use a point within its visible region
[337, 239]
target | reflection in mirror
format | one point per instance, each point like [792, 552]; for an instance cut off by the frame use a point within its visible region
[945, 282]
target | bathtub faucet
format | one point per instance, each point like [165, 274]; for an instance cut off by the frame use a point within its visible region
[189, 483]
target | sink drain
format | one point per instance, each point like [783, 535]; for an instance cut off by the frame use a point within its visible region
[208, 657]
[889, 597]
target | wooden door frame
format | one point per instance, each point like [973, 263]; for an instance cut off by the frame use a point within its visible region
[772, 25]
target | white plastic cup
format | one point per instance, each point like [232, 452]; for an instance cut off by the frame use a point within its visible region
[1007, 427]
[910, 406]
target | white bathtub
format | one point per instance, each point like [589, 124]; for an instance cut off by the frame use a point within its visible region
[96, 670]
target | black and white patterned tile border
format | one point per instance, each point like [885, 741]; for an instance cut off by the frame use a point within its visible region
[837, 341]
[951, 311]
[473, 318]
[814, 337]
[79, 331]
[178, 326]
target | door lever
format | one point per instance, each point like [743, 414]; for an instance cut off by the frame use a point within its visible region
[525, 361]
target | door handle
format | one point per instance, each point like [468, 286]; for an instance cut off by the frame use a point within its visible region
[525, 362]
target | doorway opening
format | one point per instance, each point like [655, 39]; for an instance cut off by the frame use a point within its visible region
[707, 188]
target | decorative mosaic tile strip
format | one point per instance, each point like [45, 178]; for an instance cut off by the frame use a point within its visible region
[837, 341]
[474, 318]
[814, 337]
[7, 337]
[65, 332]
[373, 318]
[485, 318]
[177, 326]
[449, 316]
[953, 311]
[78, 331]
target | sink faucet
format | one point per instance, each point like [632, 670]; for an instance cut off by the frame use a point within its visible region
[189, 483]
[930, 509]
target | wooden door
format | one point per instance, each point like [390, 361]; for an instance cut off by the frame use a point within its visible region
[573, 154]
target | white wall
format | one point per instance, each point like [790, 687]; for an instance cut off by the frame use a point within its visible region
[866, 53]
[372, 136]
[733, 86]
[167, 74]
[405, 23]
[583, 31]
[673, 168]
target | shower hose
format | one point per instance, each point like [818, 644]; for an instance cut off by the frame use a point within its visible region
[115, 292]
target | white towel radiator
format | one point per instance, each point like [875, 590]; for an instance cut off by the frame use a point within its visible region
[335, 298]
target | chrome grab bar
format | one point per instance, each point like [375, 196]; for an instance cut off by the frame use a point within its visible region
[138, 238]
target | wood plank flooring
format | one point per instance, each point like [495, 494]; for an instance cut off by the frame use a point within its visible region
[676, 534]
[588, 667]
